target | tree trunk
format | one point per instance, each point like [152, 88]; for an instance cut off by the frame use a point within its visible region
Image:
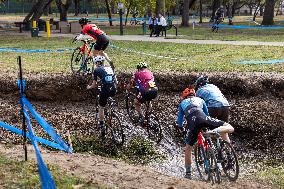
[215, 5]
[37, 10]
[128, 10]
[77, 7]
[158, 7]
[261, 11]
[185, 14]
[256, 11]
[63, 8]
[230, 12]
[112, 7]
[268, 12]
[200, 11]
[108, 12]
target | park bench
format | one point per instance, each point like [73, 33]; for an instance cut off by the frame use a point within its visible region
[168, 27]
[21, 25]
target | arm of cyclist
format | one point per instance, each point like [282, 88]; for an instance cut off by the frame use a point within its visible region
[94, 83]
[205, 109]
[180, 117]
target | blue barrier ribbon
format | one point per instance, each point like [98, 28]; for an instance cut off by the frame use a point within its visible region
[45, 177]
[50, 130]
[260, 61]
[38, 139]
[249, 27]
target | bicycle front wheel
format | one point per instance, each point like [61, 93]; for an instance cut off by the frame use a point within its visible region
[154, 128]
[129, 105]
[214, 172]
[77, 62]
[115, 129]
[230, 164]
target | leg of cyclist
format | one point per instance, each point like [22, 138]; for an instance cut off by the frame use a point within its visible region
[102, 104]
[137, 105]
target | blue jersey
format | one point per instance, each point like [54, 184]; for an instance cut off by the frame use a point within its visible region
[188, 106]
[212, 96]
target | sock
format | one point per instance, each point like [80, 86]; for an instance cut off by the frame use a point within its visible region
[217, 130]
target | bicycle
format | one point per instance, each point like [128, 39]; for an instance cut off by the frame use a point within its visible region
[82, 57]
[215, 26]
[226, 156]
[151, 121]
[205, 159]
[113, 128]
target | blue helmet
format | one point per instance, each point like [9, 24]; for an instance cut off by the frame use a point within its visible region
[202, 80]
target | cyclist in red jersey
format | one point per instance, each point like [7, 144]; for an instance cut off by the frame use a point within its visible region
[102, 40]
[147, 90]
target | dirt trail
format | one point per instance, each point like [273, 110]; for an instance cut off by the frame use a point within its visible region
[114, 173]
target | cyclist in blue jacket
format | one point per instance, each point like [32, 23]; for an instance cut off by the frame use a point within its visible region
[195, 111]
[218, 105]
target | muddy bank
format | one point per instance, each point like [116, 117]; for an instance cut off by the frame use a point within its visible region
[256, 99]
[51, 87]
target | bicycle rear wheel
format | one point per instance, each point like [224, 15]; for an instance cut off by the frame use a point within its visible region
[230, 164]
[154, 128]
[114, 129]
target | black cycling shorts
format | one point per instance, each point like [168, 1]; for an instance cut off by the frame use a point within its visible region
[222, 113]
[149, 95]
[195, 122]
[106, 92]
[102, 42]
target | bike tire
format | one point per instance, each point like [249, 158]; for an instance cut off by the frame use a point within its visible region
[214, 175]
[129, 105]
[154, 128]
[77, 60]
[115, 129]
[230, 163]
[200, 161]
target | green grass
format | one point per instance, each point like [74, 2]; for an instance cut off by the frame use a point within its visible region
[273, 175]
[21, 174]
[198, 58]
[203, 32]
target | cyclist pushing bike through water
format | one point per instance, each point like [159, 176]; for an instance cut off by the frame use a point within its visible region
[102, 40]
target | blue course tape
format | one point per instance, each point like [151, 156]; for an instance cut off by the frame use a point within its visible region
[260, 61]
[249, 27]
[32, 50]
[38, 139]
[50, 130]
[46, 179]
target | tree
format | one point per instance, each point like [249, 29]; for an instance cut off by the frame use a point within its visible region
[215, 5]
[77, 7]
[37, 10]
[108, 12]
[268, 12]
[187, 4]
[63, 8]
[185, 14]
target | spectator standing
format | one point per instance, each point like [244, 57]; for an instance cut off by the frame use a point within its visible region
[162, 24]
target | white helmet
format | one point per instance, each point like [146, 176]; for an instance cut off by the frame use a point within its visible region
[99, 59]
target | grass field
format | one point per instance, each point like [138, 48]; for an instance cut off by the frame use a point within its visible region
[191, 57]
[20, 174]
